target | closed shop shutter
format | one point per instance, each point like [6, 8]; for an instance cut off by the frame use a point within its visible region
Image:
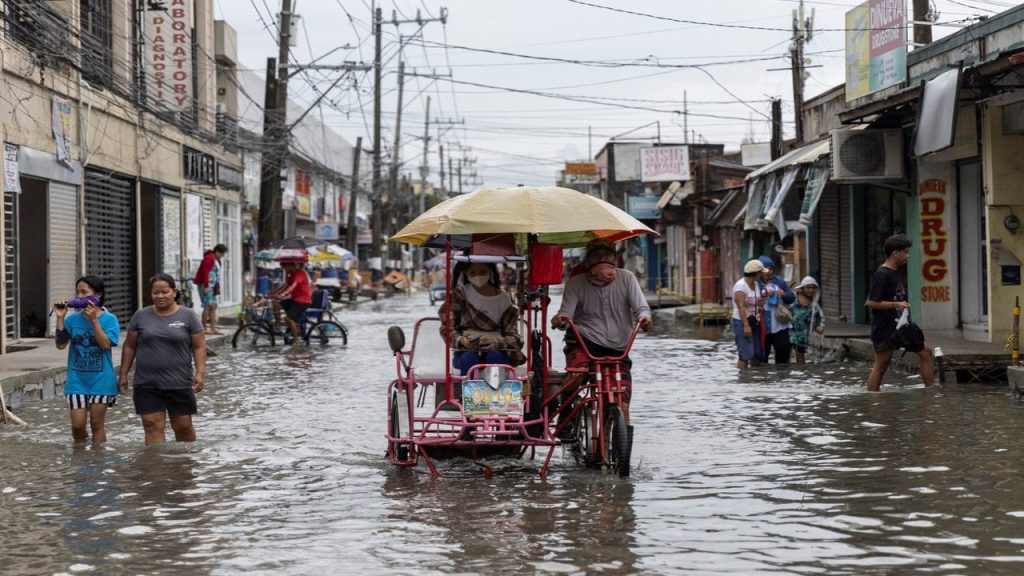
[63, 250]
[845, 217]
[11, 326]
[110, 239]
[829, 240]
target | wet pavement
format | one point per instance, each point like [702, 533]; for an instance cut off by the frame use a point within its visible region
[788, 471]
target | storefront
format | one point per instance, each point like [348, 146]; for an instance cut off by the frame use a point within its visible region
[110, 242]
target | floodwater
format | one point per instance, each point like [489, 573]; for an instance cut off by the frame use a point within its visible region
[794, 471]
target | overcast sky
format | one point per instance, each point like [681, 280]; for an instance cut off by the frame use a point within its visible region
[520, 137]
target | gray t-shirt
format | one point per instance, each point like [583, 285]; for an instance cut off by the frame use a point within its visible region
[163, 356]
[605, 315]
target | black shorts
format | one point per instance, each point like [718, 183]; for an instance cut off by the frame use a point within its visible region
[179, 402]
[294, 310]
[895, 343]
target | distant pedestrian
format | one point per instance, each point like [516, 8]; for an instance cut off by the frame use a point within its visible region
[807, 317]
[168, 343]
[746, 323]
[887, 300]
[208, 280]
[91, 331]
[775, 292]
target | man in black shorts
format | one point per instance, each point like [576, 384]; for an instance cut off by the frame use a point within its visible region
[887, 299]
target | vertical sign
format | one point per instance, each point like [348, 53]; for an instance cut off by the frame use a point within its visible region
[12, 174]
[935, 280]
[876, 46]
[168, 54]
[61, 123]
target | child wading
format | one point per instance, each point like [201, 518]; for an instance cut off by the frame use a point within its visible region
[91, 331]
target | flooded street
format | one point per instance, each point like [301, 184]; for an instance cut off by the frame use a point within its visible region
[786, 472]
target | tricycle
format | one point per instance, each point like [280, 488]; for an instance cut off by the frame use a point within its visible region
[434, 409]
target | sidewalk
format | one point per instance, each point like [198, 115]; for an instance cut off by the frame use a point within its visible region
[39, 373]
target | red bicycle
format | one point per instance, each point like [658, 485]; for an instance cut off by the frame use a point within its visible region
[594, 409]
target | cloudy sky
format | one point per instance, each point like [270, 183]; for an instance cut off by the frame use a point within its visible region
[523, 85]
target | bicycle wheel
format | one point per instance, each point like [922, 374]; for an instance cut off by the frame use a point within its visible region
[327, 333]
[253, 335]
[583, 447]
[617, 441]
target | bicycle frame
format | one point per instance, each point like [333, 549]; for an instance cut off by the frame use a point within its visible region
[601, 390]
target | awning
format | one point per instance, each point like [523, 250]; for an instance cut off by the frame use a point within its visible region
[803, 155]
[770, 184]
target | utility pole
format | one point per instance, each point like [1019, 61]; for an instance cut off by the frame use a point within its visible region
[686, 121]
[803, 31]
[451, 175]
[425, 168]
[776, 145]
[378, 204]
[440, 154]
[396, 151]
[922, 31]
[460, 178]
[378, 216]
[270, 173]
[281, 108]
[353, 196]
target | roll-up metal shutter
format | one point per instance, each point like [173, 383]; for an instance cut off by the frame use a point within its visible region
[63, 246]
[11, 326]
[829, 243]
[110, 239]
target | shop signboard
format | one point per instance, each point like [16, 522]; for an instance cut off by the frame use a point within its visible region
[167, 54]
[643, 207]
[876, 47]
[665, 164]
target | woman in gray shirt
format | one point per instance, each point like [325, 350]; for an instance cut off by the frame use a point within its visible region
[165, 338]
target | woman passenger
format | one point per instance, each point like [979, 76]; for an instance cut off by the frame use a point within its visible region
[484, 320]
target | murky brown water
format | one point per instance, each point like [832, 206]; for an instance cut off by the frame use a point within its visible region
[781, 472]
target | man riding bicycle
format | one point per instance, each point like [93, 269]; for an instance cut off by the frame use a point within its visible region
[604, 303]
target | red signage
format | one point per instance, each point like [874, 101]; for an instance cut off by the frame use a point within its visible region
[935, 285]
[168, 54]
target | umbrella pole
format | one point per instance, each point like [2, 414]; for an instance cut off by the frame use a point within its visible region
[448, 321]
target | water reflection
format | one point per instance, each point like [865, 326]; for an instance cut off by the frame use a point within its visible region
[789, 470]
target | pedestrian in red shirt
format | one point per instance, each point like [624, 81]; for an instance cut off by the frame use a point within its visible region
[295, 296]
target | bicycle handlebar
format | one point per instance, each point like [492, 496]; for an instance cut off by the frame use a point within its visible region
[583, 344]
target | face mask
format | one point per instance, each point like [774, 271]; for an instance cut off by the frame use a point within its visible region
[479, 281]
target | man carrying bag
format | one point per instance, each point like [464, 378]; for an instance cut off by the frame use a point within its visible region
[890, 325]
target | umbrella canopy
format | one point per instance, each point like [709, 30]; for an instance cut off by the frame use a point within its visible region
[300, 242]
[557, 215]
[291, 255]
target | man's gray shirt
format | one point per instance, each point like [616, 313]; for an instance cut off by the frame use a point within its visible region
[605, 315]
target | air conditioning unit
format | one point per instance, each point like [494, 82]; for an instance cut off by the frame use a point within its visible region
[867, 155]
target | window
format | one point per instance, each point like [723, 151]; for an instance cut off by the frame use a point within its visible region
[33, 24]
[97, 46]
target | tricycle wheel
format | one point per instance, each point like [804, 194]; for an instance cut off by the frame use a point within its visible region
[401, 451]
[617, 437]
[328, 332]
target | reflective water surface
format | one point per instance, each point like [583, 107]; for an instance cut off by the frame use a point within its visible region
[793, 471]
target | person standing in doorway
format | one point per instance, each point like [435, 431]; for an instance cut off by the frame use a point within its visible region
[208, 280]
[91, 331]
[887, 299]
[170, 346]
